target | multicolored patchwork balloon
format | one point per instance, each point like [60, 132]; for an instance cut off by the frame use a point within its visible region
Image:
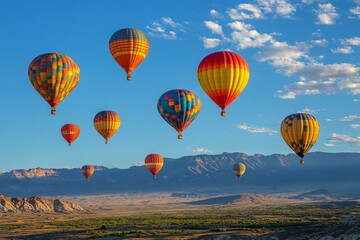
[54, 76]
[129, 48]
[300, 131]
[154, 162]
[88, 171]
[179, 107]
[70, 132]
[107, 123]
[239, 169]
[223, 76]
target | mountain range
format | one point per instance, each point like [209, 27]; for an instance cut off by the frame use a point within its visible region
[199, 174]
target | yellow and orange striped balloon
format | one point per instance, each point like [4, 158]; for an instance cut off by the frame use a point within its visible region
[129, 48]
[223, 76]
[107, 123]
[154, 162]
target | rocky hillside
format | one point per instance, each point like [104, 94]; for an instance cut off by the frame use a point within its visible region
[36, 204]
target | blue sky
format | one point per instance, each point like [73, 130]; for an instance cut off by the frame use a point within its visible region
[303, 56]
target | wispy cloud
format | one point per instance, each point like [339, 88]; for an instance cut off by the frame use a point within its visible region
[329, 144]
[308, 110]
[201, 150]
[165, 28]
[215, 14]
[308, 1]
[250, 129]
[245, 11]
[355, 126]
[350, 118]
[355, 11]
[214, 27]
[355, 41]
[344, 50]
[279, 7]
[327, 14]
[344, 138]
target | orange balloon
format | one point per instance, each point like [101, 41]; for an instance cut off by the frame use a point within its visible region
[154, 162]
[88, 171]
[70, 132]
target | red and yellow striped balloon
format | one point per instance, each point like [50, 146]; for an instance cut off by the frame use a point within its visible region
[154, 162]
[107, 123]
[223, 76]
[54, 76]
[129, 48]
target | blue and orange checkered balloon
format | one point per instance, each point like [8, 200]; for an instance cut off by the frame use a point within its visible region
[179, 107]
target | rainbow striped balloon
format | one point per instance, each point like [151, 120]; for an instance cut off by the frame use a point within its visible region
[54, 76]
[107, 123]
[223, 76]
[179, 107]
[87, 171]
[129, 48]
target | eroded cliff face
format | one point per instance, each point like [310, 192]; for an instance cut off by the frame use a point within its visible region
[37, 204]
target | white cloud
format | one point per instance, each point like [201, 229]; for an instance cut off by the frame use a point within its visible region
[344, 50]
[280, 7]
[344, 138]
[329, 144]
[320, 42]
[255, 129]
[245, 11]
[214, 27]
[330, 119]
[201, 150]
[211, 42]
[355, 126]
[355, 11]
[327, 14]
[308, 110]
[351, 41]
[165, 28]
[350, 118]
[307, 1]
[356, 100]
[245, 37]
[215, 14]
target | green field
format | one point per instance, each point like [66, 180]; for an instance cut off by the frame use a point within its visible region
[206, 223]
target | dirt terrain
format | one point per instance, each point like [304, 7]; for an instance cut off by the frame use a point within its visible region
[163, 216]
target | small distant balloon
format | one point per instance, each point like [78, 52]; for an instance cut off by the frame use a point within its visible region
[70, 132]
[154, 162]
[239, 169]
[88, 171]
[129, 47]
[179, 108]
[223, 76]
[107, 123]
[300, 131]
[54, 76]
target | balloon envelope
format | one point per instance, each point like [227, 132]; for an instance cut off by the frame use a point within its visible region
[129, 48]
[239, 169]
[88, 171]
[154, 162]
[107, 123]
[300, 132]
[223, 76]
[179, 108]
[54, 76]
[70, 132]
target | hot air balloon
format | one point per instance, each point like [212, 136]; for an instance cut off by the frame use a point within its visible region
[54, 76]
[107, 123]
[239, 169]
[88, 171]
[129, 48]
[179, 107]
[154, 162]
[70, 132]
[223, 76]
[300, 131]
